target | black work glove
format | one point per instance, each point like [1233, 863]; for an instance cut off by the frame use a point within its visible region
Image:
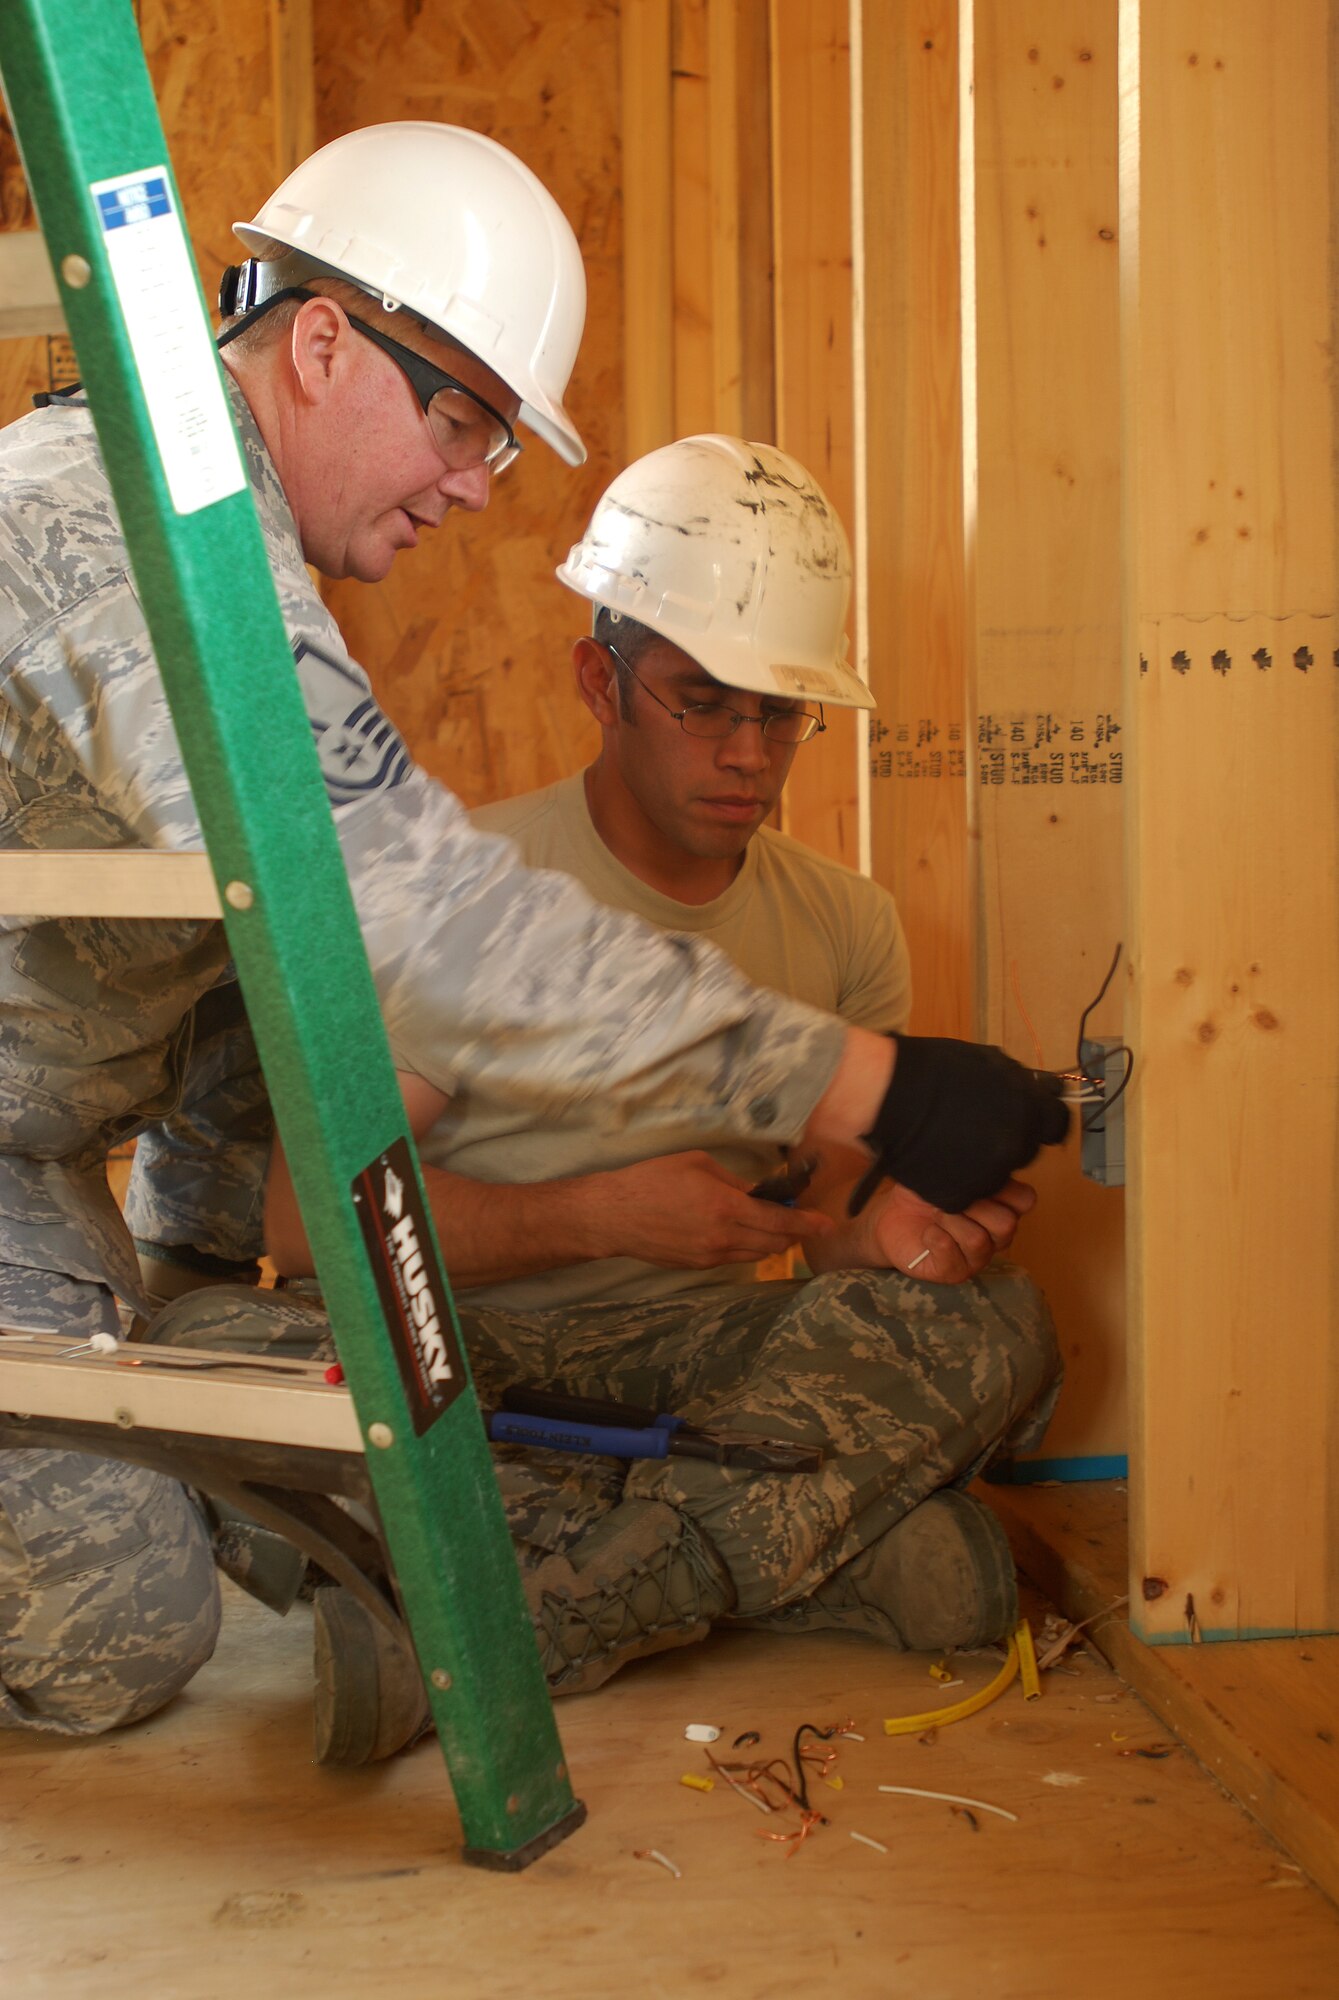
[957, 1119]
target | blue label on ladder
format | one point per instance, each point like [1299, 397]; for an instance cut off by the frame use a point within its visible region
[133, 201]
[410, 1284]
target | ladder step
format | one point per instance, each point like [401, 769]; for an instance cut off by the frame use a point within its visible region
[106, 882]
[267, 1400]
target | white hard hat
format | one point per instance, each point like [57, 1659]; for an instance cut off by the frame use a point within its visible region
[454, 228]
[732, 552]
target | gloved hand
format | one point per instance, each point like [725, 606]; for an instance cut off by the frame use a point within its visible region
[957, 1120]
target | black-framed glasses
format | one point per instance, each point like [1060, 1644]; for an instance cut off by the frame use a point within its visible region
[713, 719]
[466, 430]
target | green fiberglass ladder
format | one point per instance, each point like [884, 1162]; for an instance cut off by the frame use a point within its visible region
[97, 165]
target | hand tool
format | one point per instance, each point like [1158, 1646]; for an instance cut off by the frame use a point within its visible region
[555, 1421]
[787, 1186]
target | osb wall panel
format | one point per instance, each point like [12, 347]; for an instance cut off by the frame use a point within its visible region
[211, 69]
[467, 641]
[23, 363]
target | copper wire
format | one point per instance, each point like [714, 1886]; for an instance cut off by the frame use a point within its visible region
[797, 1835]
[773, 1785]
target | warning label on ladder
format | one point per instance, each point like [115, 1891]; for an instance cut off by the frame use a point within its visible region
[410, 1284]
[150, 262]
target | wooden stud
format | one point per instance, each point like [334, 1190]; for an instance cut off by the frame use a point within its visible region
[1227, 312]
[741, 219]
[693, 339]
[1049, 748]
[911, 554]
[815, 415]
[648, 241]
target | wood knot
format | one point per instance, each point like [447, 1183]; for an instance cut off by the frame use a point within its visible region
[1264, 1019]
[1154, 1587]
[1184, 976]
[1206, 1033]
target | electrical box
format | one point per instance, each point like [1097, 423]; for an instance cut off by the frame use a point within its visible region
[1102, 1152]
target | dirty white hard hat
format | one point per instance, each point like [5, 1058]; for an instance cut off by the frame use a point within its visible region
[732, 552]
[451, 226]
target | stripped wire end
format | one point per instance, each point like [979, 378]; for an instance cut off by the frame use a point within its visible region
[654, 1854]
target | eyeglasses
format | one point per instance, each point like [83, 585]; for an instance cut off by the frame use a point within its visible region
[712, 718]
[466, 430]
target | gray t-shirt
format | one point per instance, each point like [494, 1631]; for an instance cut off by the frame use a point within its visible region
[791, 920]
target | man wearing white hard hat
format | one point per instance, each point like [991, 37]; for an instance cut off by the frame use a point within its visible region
[414, 294]
[615, 1264]
[710, 563]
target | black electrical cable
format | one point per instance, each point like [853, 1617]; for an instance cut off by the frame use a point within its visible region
[801, 1775]
[1090, 1123]
[1083, 1018]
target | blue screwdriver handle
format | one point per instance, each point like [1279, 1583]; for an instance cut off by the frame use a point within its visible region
[570, 1434]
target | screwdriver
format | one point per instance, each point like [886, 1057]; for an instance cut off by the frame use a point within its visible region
[557, 1421]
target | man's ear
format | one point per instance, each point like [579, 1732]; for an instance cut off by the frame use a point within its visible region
[318, 341]
[597, 680]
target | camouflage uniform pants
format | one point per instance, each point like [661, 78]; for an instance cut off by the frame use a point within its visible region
[908, 1386]
[108, 1598]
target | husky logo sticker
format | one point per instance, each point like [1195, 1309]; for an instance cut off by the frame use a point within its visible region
[410, 1284]
[358, 749]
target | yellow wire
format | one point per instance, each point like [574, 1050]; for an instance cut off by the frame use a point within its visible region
[1027, 1661]
[935, 1718]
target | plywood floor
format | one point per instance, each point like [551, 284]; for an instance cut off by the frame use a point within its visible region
[1262, 1714]
[202, 1855]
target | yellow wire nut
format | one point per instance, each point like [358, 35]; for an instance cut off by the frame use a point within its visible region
[1027, 1660]
[696, 1784]
[907, 1725]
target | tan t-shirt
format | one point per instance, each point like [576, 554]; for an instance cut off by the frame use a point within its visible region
[791, 920]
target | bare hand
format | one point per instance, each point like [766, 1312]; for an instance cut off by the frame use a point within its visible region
[688, 1212]
[903, 1229]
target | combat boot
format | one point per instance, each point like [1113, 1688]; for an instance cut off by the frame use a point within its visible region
[260, 1561]
[641, 1581]
[941, 1577]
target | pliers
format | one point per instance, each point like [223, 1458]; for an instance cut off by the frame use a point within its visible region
[555, 1421]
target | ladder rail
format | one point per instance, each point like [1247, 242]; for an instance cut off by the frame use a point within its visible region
[89, 132]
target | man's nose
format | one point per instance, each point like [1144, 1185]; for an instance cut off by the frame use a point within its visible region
[747, 749]
[466, 486]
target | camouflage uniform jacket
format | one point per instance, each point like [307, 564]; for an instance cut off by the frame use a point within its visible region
[487, 973]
